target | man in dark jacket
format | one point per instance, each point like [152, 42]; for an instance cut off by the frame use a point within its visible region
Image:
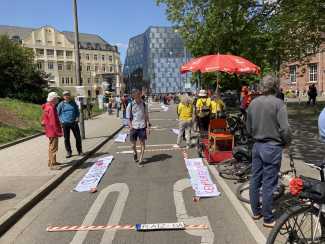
[53, 128]
[280, 95]
[313, 94]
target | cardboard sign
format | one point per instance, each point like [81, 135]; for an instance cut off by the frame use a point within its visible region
[121, 137]
[164, 226]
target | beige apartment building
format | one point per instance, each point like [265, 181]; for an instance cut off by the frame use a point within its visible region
[294, 78]
[99, 61]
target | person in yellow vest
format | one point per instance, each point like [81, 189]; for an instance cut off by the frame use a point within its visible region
[244, 93]
[203, 113]
[218, 106]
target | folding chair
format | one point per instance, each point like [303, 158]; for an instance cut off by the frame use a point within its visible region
[217, 124]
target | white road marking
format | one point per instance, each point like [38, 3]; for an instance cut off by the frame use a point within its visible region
[247, 218]
[149, 145]
[95, 208]
[181, 214]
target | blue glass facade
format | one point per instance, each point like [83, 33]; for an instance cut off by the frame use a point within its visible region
[152, 62]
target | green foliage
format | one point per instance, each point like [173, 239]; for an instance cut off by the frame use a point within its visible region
[19, 77]
[267, 33]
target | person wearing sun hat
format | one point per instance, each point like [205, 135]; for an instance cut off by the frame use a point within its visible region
[53, 128]
[203, 105]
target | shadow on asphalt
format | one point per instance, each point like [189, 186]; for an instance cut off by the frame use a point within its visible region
[7, 196]
[158, 158]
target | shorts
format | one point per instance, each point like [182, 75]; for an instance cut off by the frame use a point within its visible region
[105, 104]
[141, 133]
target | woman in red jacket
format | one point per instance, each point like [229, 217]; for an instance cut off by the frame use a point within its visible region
[53, 128]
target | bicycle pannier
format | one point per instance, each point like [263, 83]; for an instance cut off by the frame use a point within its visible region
[314, 189]
[242, 153]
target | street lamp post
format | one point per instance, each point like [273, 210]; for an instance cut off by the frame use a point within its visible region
[91, 87]
[127, 67]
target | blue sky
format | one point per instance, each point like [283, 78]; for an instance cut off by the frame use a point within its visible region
[115, 21]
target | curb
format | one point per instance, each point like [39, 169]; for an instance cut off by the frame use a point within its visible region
[7, 220]
[28, 138]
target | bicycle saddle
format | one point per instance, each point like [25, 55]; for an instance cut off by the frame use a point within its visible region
[320, 165]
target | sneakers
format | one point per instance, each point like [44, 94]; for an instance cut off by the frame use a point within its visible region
[176, 146]
[68, 155]
[141, 164]
[81, 154]
[55, 167]
[135, 157]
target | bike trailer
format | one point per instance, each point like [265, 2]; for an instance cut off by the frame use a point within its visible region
[242, 153]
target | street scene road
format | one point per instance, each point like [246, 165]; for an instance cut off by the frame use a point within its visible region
[160, 192]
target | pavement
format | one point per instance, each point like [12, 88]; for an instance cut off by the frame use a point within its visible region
[159, 192]
[25, 176]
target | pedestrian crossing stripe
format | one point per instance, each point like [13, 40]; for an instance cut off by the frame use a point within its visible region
[152, 150]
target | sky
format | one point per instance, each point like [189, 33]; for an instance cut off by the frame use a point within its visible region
[116, 21]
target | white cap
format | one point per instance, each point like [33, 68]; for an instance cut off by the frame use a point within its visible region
[202, 93]
[53, 94]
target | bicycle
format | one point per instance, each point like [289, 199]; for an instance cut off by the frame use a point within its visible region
[237, 127]
[304, 222]
[242, 192]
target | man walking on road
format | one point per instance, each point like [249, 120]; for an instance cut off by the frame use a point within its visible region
[53, 128]
[69, 116]
[139, 125]
[267, 122]
[118, 105]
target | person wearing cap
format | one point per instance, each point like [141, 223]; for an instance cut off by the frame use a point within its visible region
[53, 128]
[203, 122]
[68, 112]
[245, 93]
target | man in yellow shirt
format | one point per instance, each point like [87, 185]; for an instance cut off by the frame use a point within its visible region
[203, 113]
[217, 105]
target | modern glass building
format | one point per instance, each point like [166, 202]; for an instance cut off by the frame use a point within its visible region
[152, 62]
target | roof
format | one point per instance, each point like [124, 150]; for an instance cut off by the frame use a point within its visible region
[12, 31]
[84, 39]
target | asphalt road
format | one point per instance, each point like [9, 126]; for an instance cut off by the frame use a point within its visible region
[160, 192]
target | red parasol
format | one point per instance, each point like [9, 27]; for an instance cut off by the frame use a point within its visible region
[226, 63]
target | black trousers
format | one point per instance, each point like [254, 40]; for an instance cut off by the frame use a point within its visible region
[66, 127]
[311, 97]
[203, 127]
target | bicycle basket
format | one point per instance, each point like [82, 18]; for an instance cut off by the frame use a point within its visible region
[314, 189]
[242, 153]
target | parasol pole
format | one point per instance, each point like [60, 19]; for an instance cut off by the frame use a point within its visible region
[217, 82]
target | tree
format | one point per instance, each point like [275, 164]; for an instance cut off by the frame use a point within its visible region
[266, 32]
[18, 73]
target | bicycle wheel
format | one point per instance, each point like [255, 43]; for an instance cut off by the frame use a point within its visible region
[299, 221]
[231, 166]
[241, 136]
[242, 192]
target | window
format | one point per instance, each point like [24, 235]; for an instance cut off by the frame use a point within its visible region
[80, 57]
[95, 57]
[87, 56]
[71, 80]
[111, 69]
[60, 67]
[51, 79]
[110, 58]
[62, 80]
[50, 65]
[88, 68]
[49, 42]
[309, 48]
[97, 46]
[88, 45]
[313, 72]
[39, 65]
[104, 69]
[80, 68]
[69, 67]
[81, 81]
[96, 80]
[49, 52]
[88, 80]
[67, 54]
[58, 43]
[58, 53]
[107, 47]
[96, 68]
[16, 39]
[38, 41]
[67, 80]
[293, 74]
[41, 52]
[103, 57]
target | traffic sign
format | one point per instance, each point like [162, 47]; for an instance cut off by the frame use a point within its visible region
[287, 80]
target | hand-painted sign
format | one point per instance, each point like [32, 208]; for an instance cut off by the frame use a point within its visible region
[164, 226]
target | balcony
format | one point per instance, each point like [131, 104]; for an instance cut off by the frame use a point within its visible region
[60, 57]
[103, 61]
[50, 56]
[69, 58]
[88, 61]
[96, 61]
[40, 56]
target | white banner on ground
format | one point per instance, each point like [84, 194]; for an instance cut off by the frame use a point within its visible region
[166, 109]
[95, 173]
[121, 137]
[176, 132]
[200, 178]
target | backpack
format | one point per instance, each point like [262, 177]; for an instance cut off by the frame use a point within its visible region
[62, 106]
[205, 110]
[242, 153]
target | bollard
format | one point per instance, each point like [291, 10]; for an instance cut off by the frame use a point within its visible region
[299, 104]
